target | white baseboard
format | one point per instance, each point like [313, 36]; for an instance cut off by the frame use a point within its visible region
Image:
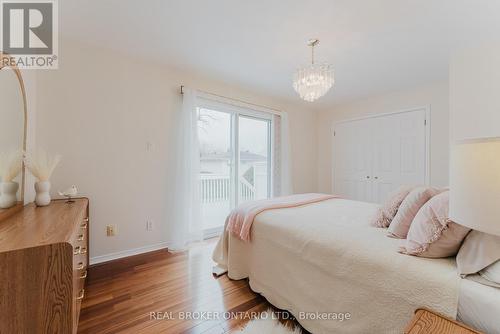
[125, 253]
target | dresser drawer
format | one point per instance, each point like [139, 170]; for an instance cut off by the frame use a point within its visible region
[80, 242]
[79, 284]
[80, 233]
[79, 276]
[80, 249]
[79, 263]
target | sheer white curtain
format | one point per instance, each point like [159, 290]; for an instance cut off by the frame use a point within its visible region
[186, 208]
[282, 173]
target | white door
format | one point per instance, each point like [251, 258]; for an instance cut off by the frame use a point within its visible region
[352, 160]
[399, 152]
[373, 156]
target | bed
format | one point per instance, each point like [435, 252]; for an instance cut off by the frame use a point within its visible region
[479, 306]
[335, 273]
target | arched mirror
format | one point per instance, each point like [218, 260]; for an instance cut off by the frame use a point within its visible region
[13, 123]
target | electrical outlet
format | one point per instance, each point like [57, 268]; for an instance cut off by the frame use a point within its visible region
[111, 230]
[149, 225]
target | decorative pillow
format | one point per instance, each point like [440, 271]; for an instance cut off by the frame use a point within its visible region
[388, 210]
[480, 279]
[408, 210]
[492, 273]
[478, 251]
[431, 233]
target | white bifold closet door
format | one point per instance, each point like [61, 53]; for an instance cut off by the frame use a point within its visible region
[374, 156]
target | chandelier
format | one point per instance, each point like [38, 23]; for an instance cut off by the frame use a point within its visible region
[314, 81]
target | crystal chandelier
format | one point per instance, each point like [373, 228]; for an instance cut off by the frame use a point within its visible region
[312, 82]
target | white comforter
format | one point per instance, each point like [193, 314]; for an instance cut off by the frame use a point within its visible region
[325, 258]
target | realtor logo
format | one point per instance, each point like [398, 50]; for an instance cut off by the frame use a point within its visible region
[29, 32]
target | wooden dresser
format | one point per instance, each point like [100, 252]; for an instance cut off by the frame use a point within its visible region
[43, 266]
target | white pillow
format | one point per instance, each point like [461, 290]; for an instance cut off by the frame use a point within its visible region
[478, 251]
[492, 273]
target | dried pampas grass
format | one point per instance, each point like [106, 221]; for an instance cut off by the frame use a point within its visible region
[41, 165]
[10, 165]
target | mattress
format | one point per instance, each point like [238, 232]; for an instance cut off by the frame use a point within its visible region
[324, 259]
[479, 306]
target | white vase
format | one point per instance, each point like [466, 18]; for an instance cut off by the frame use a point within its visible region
[42, 197]
[8, 194]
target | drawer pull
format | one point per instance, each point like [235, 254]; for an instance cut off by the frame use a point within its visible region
[84, 275]
[80, 237]
[77, 250]
[80, 296]
[86, 220]
[83, 250]
[80, 266]
[83, 226]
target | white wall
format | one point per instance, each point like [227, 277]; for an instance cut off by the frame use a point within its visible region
[101, 108]
[435, 95]
[474, 93]
[30, 78]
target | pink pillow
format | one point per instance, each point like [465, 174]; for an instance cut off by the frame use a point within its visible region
[388, 210]
[408, 210]
[432, 234]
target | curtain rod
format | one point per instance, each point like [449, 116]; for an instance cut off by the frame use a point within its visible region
[237, 100]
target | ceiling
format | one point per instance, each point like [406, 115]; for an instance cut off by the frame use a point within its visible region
[376, 46]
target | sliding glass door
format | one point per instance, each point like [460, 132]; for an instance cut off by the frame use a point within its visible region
[254, 158]
[215, 132]
[235, 160]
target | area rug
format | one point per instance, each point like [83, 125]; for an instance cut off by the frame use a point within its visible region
[267, 324]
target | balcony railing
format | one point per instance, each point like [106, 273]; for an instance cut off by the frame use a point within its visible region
[216, 188]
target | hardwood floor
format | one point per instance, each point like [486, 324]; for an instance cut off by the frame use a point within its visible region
[139, 294]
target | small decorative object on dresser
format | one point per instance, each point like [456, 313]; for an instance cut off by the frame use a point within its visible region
[429, 322]
[41, 165]
[10, 166]
[8, 197]
[44, 256]
[69, 193]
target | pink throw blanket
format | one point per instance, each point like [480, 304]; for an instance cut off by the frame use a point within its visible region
[240, 219]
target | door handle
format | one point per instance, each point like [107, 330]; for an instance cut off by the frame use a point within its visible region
[367, 176]
[376, 177]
